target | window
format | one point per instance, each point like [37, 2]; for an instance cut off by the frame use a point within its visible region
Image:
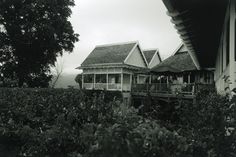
[114, 78]
[101, 78]
[126, 79]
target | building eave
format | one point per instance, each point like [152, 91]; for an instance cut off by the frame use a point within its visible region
[199, 24]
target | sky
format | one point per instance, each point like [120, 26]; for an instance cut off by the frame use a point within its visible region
[100, 22]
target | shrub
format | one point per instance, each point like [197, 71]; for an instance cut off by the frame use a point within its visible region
[208, 125]
[134, 136]
[59, 122]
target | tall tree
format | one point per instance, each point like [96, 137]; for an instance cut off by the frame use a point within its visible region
[32, 34]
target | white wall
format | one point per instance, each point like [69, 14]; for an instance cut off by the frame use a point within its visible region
[155, 61]
[136, 59]
[225, 74]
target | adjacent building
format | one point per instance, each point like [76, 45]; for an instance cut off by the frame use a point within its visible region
[176, 74]
[207, 28]
[181, 67]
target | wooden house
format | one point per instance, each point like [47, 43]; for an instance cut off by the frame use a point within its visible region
[207, 28]
[176, 74]
[112, 67]
[181, 67]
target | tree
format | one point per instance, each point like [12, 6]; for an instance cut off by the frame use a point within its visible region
[33, 34]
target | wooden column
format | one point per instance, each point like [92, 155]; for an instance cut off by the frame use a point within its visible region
[130, 82]
[107, 81]
[189, 79]
[232, 45]
[122, 81]
[167, 80]
[94, 80]
[82, 81]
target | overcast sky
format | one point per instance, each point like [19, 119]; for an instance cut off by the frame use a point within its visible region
[109, 21]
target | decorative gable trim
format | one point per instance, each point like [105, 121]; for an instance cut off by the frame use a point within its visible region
[141, 51]
[158, 55]
[192, 55]
[178, 48]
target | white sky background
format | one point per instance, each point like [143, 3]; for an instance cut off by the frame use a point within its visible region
[101, 22]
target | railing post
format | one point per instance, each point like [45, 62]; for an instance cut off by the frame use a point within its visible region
[107, 81]
[122, 81]
[193, 89]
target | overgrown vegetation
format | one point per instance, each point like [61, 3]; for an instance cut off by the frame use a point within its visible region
[59, 122]
[49, 122]
[208, 125]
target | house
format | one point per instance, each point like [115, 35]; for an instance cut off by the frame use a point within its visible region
[177, 73]
[207, 29]
[181, 66]
[153, 57]
[112, 67]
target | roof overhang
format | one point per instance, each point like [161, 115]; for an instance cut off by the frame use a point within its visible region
[110, 65]
[199, 24]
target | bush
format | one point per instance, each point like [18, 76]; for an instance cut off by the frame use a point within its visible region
[208, 125]
[134, 136]
[59, 122]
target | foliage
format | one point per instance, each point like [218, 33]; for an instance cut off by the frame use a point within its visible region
[32, 34]
[208, 124]
[134, 136]
[78, 79]
[59, 122]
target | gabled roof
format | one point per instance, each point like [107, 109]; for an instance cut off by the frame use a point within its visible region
[181, 48]
[109, 54]
[149, 54]
[180, 61]
[113, 54]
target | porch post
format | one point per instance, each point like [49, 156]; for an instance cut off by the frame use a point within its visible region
[167, 80]
[94, 80]
[130, 81]
[121, 81]
[82, 81]
[189, 79]
[107, 81]
[232, 45]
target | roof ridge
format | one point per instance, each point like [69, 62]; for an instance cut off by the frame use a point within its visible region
[118, 43]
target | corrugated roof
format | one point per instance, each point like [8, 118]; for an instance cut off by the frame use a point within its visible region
[115, 53]
[180, 61]
[149, 55]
